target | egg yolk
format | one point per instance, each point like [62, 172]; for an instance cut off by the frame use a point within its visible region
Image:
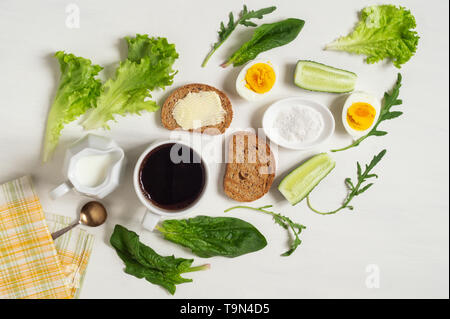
[260, 78]
[360, 116]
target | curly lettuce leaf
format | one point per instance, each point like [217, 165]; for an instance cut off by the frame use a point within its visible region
[77, 92]
[147, 67]
[383, 32]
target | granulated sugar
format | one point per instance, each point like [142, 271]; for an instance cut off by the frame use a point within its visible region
[299, 124]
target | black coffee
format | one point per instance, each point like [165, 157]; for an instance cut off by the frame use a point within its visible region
[172, 176]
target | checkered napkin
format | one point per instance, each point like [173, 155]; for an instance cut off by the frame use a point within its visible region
[74, 249]
[31, 264]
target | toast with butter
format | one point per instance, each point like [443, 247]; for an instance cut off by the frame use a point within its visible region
[250, 167]
[199, 108]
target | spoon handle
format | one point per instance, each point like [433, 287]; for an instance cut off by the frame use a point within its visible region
[64, 230]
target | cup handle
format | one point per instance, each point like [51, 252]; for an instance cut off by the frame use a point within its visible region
[150, 220]
[60, 190]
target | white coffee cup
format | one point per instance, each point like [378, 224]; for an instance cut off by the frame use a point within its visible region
[154, 213]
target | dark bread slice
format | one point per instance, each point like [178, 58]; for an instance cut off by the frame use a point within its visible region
[250, 168]
[169, 122]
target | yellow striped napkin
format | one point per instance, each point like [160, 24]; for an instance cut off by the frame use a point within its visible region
[74, 249]
[30, 266]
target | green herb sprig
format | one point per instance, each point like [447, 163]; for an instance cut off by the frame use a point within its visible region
[385, 114]
[355, 190]
[281, 220]
[244, 19]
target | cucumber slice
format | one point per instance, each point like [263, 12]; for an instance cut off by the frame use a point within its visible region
[301, 181]
[315, 76]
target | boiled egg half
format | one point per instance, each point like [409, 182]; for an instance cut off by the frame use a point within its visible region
[360, 113]
[256, 80]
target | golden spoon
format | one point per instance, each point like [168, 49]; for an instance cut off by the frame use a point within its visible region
[92, 214]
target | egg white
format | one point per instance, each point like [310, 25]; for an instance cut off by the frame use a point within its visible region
[247, 93]
[360, 97]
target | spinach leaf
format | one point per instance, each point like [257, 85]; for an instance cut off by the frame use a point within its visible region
[214, 236]
[143, 262]
[281, 220]
[266, 37]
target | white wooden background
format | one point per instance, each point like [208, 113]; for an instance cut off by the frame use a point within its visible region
[400, 225]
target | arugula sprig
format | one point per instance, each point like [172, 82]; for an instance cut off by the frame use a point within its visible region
[385, 114]
[358, 189]
[244, 19]
[281, 220]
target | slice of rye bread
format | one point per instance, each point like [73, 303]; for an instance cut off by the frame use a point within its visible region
[250, 168]
[169, 122]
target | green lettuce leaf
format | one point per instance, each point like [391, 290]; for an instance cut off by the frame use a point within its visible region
[77, 92]
[147, 67]
[383, 32]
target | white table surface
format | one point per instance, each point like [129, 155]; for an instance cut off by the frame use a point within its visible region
[401, 225]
